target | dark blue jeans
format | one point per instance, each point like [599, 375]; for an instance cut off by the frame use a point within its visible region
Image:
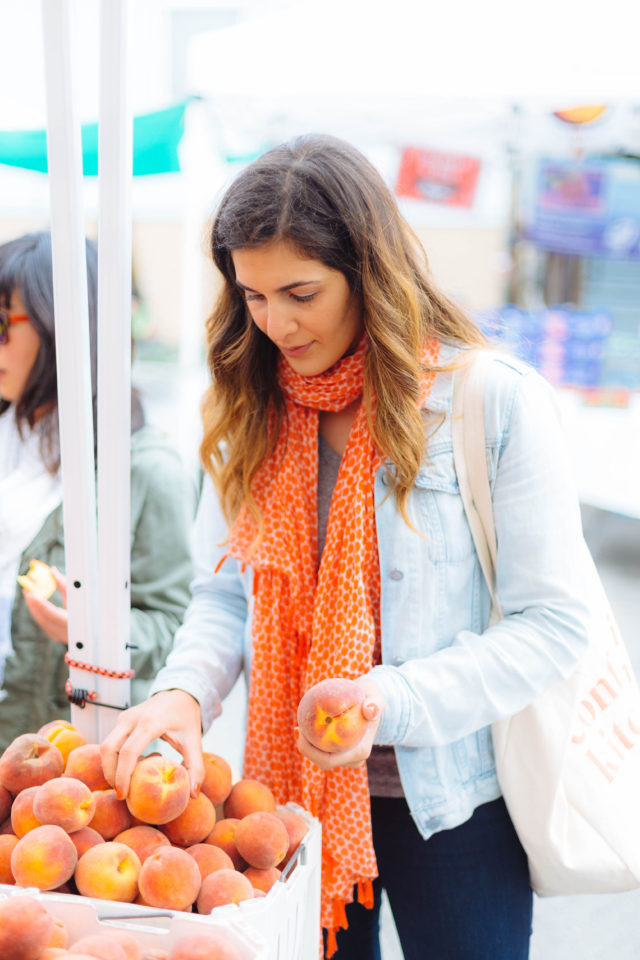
[463, 894]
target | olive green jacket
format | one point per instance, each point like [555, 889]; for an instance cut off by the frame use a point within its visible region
[162, 507]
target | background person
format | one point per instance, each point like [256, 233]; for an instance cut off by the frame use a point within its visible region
[33, 631]
[332, 542]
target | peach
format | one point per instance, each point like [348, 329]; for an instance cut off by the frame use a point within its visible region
[170, 879]
[217, 778]
[23, 818]
[7, 843]
[155, 953]
[128, 942]
[223, 886]
[212, 945]
[159, 790]
[44, 858]
[210, 858]
[111, 816]
[144, 839]
[262, 839]
[108, 871]
[66, 741]
[53, 953]
[223, 836]
[248, 796]
[85, 838]
[99, 945]
[66, 802]
[5, 803]
[25, 928]
[7, 827]
[85, 763]
[194, 824]
[297, 828]
[59, 936]
[262, 879]
[53, 728]
[330, 715]
[28, 761]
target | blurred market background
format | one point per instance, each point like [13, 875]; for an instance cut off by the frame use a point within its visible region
[511, 138]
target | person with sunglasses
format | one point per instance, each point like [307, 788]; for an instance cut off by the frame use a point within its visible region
[33, 630]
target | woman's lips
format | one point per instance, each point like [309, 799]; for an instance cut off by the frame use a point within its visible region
[295, 351]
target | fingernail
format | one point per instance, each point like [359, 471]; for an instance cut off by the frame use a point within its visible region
[119, 793]
[196, 790]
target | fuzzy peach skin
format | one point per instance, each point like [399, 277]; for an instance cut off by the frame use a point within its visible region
[248, 796]
[29, 761]
[25, 928]
[5, 803]
[213, 945]
[111, 815]
[128, 942]
[210, 858]
[144, 839]
[99, 945]
[170, 879]
[7, 843]
[330, 715]
[297, 828]
[108, 871]
[262, 839]
[217, 778]
[44, 858]
[194, 824]
[223, 835]
[262, 879]
[85, 838]
[66, 741]
[59, 938]
[53, 727]
[66, 802]
[159, 790]
[23, 818]
[221, 887]
[85, 763]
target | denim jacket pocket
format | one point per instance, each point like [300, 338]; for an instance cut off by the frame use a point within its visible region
[439, 511]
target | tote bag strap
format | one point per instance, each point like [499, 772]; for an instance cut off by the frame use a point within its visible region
[470, 461]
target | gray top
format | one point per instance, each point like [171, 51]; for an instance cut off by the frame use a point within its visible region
[382, 770]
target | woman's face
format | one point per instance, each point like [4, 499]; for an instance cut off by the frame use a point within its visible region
[18, 356]
[303, 306]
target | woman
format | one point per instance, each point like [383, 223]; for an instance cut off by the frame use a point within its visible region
[332, 542]
[33, 631]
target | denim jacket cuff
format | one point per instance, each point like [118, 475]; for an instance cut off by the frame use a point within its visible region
[210, 705]
[397, 713]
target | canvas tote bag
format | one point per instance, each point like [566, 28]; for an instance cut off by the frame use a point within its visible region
[569, 763]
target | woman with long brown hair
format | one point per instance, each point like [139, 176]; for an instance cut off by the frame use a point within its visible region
[332, 542]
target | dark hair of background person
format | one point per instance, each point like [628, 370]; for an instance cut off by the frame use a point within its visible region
[26, 266]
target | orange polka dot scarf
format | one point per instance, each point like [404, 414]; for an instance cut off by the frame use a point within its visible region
[310, 623]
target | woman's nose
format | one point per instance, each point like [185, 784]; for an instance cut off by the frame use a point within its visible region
[280, 322]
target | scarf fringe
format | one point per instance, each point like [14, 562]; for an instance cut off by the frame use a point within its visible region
[365, 893]
[364, 889]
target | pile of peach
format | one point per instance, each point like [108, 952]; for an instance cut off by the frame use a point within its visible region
[63, 828]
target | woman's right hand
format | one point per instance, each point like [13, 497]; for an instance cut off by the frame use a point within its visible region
[172, 715]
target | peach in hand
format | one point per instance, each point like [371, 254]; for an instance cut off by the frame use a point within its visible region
[25, 928]
[330, 715]
[159, 790]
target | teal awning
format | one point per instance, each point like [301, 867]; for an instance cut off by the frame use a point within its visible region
[155, 145]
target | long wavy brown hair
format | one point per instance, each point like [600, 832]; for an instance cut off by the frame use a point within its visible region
[323, 197]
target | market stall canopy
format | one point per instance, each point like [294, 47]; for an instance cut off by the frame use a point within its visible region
[564, 52]
[155, 144]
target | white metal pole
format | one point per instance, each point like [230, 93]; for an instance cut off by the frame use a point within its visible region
[114, 358]
[64, 151]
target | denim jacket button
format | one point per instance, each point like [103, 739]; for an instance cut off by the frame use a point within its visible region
[396, 574]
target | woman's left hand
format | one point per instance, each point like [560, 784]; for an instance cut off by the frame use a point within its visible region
[52, 620]
[372, 707]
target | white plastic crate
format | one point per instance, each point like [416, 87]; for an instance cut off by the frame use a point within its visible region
[83, 916]
[283, 925]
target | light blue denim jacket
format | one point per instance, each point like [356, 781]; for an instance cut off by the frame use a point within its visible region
[445, 677]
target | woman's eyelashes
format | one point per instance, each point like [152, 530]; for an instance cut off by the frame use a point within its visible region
[257, 297]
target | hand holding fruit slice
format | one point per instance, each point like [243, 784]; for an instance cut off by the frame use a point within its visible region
[339, 717]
